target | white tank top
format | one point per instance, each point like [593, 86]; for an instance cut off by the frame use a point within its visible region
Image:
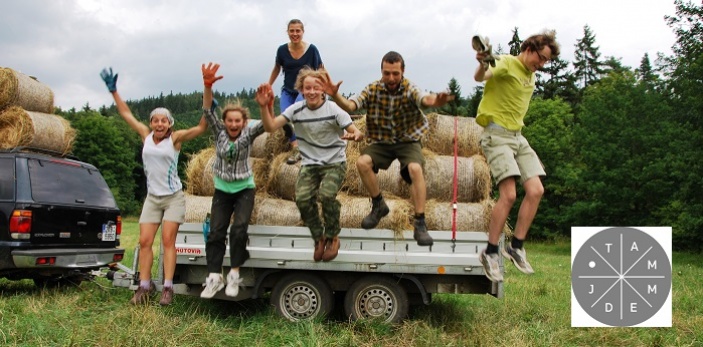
[161, 166]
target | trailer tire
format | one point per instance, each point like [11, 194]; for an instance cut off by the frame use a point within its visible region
[376, 297]
[300, 296]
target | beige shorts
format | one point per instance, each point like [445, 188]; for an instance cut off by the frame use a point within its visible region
[509, 155]
[170, 208]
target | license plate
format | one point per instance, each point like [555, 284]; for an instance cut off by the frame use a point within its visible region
[109, 232]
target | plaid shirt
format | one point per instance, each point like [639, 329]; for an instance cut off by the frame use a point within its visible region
[393, 117]
[232, 162]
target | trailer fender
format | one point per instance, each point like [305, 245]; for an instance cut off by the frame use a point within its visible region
[423, 293]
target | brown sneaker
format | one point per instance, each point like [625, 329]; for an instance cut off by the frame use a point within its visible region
[141, 295]
[331, 249]
[319, 249]
[166, 296]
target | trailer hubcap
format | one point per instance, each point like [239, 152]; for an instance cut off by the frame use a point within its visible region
[301, 302]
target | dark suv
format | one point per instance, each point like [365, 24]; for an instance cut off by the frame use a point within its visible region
[58, 218]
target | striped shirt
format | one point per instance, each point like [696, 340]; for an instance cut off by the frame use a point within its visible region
[393, 116]
[232, 162]
[319, 132]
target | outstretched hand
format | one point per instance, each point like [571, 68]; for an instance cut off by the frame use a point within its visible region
[264, 95]
[329, 87]
[209, 74]
[354, 136]
[443, 98]
[110, 79]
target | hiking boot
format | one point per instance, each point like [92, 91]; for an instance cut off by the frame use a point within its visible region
[319, 249]
[213, 284]
[233, 283]
[378, 211]
[294, 156]
[166, 296]
[141, 295]
[421, 235]
[519, 258]
[331, 249]
[491, 266]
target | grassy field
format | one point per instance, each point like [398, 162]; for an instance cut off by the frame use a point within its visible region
[534, 312]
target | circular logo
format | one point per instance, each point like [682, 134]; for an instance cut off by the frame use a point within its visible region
[621, 276]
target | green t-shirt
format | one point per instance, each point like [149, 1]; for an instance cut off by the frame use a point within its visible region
[507, 94]
[235, 186]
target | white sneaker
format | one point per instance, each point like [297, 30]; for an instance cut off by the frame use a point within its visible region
[491, 266]
[213, 284]
[233, 283]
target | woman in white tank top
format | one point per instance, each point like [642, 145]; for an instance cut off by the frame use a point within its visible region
[165, 202]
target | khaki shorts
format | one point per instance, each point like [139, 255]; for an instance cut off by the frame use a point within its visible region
[406, 152]
[509, 155]
[170, 208]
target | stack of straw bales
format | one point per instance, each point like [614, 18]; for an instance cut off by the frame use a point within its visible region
[26, 115]
[275, 181]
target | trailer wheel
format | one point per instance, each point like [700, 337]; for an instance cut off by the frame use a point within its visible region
[376, 297]
[299, 296]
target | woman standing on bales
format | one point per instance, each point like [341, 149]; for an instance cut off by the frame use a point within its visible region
[165, 202]
[234, 188]
[291, 57]
[321, 125]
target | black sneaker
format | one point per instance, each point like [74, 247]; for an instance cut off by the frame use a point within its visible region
[421, 235]
[378, 211]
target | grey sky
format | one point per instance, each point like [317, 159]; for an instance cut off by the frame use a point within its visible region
[158, 46]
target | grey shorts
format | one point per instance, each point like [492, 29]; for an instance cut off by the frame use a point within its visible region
[170, 208]
[509, 155]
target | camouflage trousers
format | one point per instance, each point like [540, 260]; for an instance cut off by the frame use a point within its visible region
[320, 182]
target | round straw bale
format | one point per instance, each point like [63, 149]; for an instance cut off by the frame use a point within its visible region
[282, 177]
[469, 216]
[440, 138]
[276, 143]
[199, 173]
[258, 148]
[197, 208]
[273, 211]
[354, 209]
[19, 127]
[473, 178]
[18, 89]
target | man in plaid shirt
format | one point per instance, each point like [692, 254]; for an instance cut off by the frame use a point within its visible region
[395, 125]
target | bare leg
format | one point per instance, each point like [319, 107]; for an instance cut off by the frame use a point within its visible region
[418, 189]
[501, 210]
[147, 232]
[168, 235]
[528, 208]
[365, 166]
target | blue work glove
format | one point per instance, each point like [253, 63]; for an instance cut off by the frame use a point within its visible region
[110, 79]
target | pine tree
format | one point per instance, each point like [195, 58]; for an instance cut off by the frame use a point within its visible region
[515, 43]
[588, 68]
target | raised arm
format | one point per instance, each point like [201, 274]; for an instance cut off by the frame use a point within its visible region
[437, 100]
[332, 90]
[482, 72]
[274, 73]
[264, 97]
[110, 80]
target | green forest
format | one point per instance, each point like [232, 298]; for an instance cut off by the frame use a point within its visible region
[621, 145]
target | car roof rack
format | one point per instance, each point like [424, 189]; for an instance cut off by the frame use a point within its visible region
[25, 149]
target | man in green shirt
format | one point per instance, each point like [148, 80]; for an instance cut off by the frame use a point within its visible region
[506, 98]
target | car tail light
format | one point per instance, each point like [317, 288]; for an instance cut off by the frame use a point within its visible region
[45, 261]
[116, 258]
[119, 226]
[20, 224]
